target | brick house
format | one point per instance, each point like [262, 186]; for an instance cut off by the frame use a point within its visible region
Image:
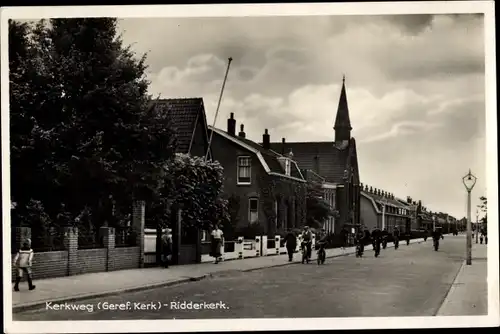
[267, 188]
[336, 164]
[381, 209]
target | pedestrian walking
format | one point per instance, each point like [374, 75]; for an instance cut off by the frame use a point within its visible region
[217, 243]
[291, 244]
[23, 262]
[167, 249]
[396, 234]
[408, 237]
[344, 233]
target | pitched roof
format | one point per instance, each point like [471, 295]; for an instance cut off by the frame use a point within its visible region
[384, 200]
[184, 113]
[322, 157]
[342, 119]
[268, 158]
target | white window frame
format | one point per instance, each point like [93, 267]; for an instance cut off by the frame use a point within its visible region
[250, 210]
[238, 166]
[288, 167]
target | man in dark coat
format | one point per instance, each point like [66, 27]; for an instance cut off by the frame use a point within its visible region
[344, 233]
[408, 237]
[166, 249]
[291, 244]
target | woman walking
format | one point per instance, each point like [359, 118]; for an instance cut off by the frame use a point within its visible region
[217, 243]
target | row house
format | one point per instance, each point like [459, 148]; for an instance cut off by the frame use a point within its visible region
[268, 187]
[335, 164]
[383, 210]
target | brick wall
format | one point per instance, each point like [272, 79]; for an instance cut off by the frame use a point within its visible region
[74, 261]
[126, 258]
[90, 261]
[48, 264]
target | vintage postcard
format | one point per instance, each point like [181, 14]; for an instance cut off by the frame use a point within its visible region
[258, 167]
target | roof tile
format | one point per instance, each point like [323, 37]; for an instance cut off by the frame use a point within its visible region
[183, 112]
[321, 157]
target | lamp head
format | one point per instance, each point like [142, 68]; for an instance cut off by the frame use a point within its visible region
[469, 181]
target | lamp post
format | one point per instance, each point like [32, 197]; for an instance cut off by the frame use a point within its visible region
[383, 202]
[469, 181]
[433, 223]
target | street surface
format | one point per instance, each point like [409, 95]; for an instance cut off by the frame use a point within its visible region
[410, 281]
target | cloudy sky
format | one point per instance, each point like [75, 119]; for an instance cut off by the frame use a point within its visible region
[415, 87]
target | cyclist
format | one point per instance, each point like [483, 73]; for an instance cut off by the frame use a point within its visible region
[307, 240]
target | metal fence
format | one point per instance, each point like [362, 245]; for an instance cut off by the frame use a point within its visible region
[49, 240]
[125, 237]
[89, 238]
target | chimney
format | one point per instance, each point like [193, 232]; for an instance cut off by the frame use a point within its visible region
[242, 133]
[231, 125]
[266, 141]
[282, 146]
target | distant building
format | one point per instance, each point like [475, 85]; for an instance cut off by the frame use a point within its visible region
[381, 209]
[268, 186]
[336, 164]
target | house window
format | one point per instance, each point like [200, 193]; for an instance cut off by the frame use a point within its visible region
[288, 167]
[253, 210]
[244, 169]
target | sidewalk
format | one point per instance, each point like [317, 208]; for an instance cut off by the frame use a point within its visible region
[468, 294]
[79, 287]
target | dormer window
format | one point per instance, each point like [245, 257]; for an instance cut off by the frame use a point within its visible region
[286, 164]
[288, 167]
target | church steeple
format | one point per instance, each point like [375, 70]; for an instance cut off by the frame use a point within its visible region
[342, 125]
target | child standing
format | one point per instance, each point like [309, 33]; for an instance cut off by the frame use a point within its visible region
[23, 261]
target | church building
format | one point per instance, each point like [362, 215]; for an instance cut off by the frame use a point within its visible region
[334, 166]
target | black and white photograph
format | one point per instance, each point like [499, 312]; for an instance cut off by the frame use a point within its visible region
[280, 167]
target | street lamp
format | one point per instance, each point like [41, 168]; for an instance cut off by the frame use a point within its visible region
[469, 181]
[433, 223]
[383, 201]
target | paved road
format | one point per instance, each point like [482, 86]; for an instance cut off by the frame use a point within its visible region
[410, 281]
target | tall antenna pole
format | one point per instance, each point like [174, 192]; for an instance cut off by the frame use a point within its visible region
[218, 106]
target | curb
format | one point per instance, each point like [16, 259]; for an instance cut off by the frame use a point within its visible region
[38, 304]
[446, 296]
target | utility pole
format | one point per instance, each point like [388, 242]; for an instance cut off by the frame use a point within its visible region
[469, 181]
[218, 106]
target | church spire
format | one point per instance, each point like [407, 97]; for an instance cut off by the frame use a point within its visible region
[342, 125]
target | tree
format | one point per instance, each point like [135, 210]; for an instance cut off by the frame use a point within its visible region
[94, 141]
[484, 208]
[318, 210]
[197, 186]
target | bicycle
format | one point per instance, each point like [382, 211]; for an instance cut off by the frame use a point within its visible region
[321, 253]
[305, 255]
